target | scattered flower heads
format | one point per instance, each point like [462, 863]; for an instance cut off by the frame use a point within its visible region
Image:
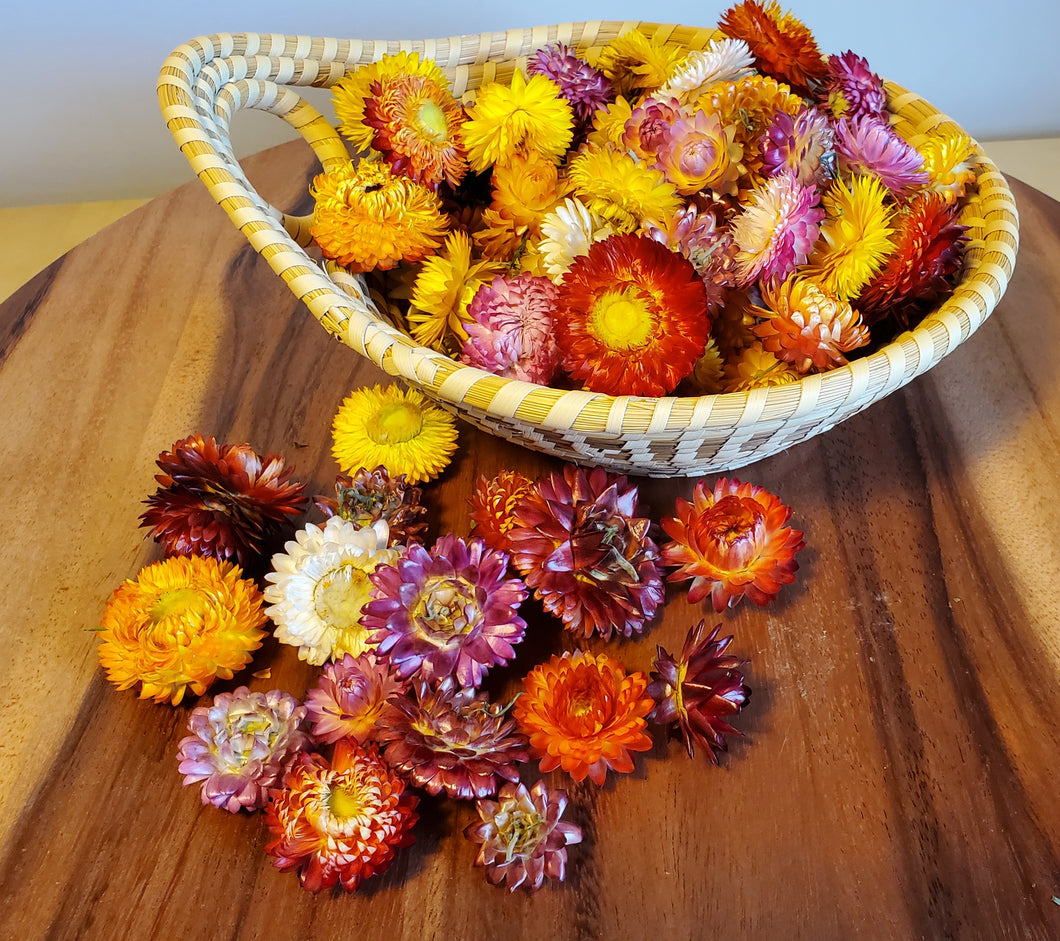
[340, 821]
[178, 626]
[401, 430]
[579, 544]
[523, 840]
[221, 500]
[453, 740]
[697, 693]
[447, 611]
[241, 746]
[732, 541]
[319, 585]
[585, 714]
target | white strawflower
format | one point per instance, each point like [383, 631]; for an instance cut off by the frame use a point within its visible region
[566, 233]
[319, 585]
[724, 60]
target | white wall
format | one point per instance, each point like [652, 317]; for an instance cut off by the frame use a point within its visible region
[81, 120]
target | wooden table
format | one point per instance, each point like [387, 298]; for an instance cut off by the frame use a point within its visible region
[897, 775]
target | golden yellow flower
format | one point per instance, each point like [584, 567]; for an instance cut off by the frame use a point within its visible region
[524, 191]
[708, 375]
[855, 236]
[948, 162]
[609, 124]
[636, 61]
[621, 190]
[755, 366]
[527, 116]
[403, 431]
[367, 218]
[350, 92]
[444, 287]
[179, 625]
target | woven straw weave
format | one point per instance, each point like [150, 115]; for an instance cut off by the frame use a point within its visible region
[203, 83]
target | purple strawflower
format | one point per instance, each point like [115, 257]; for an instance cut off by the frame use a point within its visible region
[350, 698]
[868, 145]
[510, 330]
[649, 126]
[241, 746]
[447, 612]
[803, 143]
[583, 86]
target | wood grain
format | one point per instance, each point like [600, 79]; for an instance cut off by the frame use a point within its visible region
[896, 774]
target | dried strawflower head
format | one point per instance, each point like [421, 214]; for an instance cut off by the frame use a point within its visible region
[868, 145]
[351, 698]
[852, 88]
[453, 740]
[697, 693]
[638, 61]
[724, 60]
[584, 714]
[755, 367]
[402, 430]
[492, 506]
[221, 500]
[241, 746]
[580, 545]
[631, 316]
[620, 190]
[523, 840]
[732, 541]
[181, 624]
[369, 218]
[370, 496]
[583, 86]
[319, 585]
[340, 821]
[447, 611]
[566, 232]
[700, 153]
[803, 143]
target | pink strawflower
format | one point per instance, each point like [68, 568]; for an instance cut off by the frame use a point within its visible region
[510, 329]
[523, 841]
[868, 145]
[453, 740]
[350, 698]
[695, 155]
[586, 88]
[852, 89]
[242, 745]
[803, 143]
[776, 231]
[649, 127]
[449, 611]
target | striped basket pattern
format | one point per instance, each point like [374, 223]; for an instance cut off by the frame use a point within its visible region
[206, 81]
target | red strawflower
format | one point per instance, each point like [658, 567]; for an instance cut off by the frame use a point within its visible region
[732, 541]
[492, 505]
[696, 693]
[631, 317]
[588, 557]
[221, 501]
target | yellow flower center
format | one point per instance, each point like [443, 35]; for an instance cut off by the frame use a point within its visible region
[178, 602]
[339, 596]
[623, 319]
[430, 120]
[394, 423]
[345, 802]
[519, 831]
[448, 606]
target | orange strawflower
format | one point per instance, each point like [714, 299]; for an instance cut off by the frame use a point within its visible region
[340, 822]
[732, 541]
[492, 504]
[180, 625]
[584, 714]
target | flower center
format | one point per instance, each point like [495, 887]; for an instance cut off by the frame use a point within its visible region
[177, 603]
[520, 832]
[430, 119]
[345, 802]
[339, 596]
[394, 423]
[447, 606]
[623, 319]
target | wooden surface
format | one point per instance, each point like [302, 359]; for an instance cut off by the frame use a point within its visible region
[897, 777]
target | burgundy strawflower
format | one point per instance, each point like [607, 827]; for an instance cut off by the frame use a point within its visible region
[447, 611]
[523, 841]
[374, 495]
[696, 693]
[852, 89]
[453, 740]
[351, 697]
[588, 557]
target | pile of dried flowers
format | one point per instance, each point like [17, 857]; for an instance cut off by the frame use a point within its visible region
[405, 631]
[641, 218]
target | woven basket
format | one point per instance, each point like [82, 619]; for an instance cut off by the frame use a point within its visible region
[203, 83]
